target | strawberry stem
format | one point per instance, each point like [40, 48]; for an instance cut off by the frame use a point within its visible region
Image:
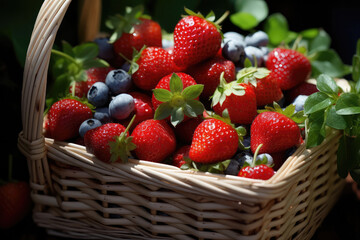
[255, 155]
[64, 55]
[222, 18]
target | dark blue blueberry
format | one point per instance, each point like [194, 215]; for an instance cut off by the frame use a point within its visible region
[281, 102]
[106, 49]
[102, 114]
[253, 53]
[232, 36]
[268, 157]
[88, 125]
[257, 39]
[126, 67]
[246, 141]
[118, 81]
[98, 94]
[233, 167]
[121, 106]
[290, 151]
[243, 157]
[299, 102]
[233, 50]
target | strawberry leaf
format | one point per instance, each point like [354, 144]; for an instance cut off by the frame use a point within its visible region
[162, 95]
[163, 111]
[177, 116]
[193, 91]
[175, 84]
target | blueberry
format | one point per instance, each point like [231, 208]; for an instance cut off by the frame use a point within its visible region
[233, 50]
[233, 167]
[126, 67]
[98, 94]
[268, 157]
[102, 114]
[299, 102]
[167, 43]
[243, 157]
[121, 106]
[257, 39]
[253, 52]
[106, 49]
[232, 36]
[246, 141]
[118, 81]
[88, 125]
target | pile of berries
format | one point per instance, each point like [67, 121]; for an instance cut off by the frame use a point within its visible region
[198, 102]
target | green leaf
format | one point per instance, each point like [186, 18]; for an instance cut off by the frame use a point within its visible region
[356, 68]
[177, 116]
[314, 136]
[176, 84]
[276, 26]
[327, 85]
[328, 62]
[163, 111]
[86, 51]
[348, 154]
[193, 108]
[162, 95]
[348, 104]
[257, 8]
[244, 20]
[316, 102]
[335, 120]
[320, 43]
[310, 33]
[94, 63]
[193, 91]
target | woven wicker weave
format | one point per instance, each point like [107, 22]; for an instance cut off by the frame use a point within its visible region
[78, 196]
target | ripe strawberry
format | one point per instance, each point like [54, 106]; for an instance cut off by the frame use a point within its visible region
[214, 140]
[143, 109]
[132, 31]
[238, 99]
[184, 131]
[305, 88]
[289, 66]
[176, 96]
[95, 74]
[275, 131]
[109, 142]
[154, 140]
[261, 171]
[208, 73]
[15, 203]
[64, 119]
[180, 155]
[196, 38]
[154, 63]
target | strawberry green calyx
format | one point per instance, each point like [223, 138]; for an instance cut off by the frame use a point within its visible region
[178, 102]
[125, 24]
[298, 117]
[210, 17]
[123, 145]
[249, 75]
[133, 62]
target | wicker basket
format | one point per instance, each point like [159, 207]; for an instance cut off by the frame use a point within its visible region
[78, 196]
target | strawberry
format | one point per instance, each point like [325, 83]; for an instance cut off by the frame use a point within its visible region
[289, 66]
[15, 200]
[153, 64]
[110, 142]
[176, 96]
[133, 31]
[276, 131]
[208, 73]
[143, 109]
[305, 88]
[265, 84]
[95, 74]
[196, 38]
[184, 131]
[154, 140]
[65, 117]
[180, 156]
[238, 99]
[214, 140]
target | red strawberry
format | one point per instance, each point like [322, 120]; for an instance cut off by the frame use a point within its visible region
[109, 142]
[195, 39]
[175, 97]
[214, 140]
[180, 155]
[132, 31]
[208, 73]
[289, 66]
[154, 140]
[238, 99]
[275, 131]
[64, 119]
[15, 203]
[305, 88]
[184, 131]
[261, 171]
[143, 109]
[154, 63]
